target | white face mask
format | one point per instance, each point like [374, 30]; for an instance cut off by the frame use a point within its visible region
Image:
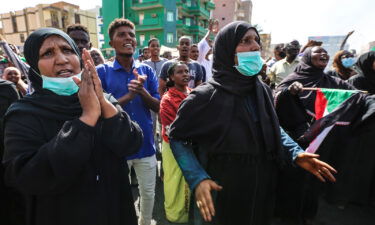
[61, 85]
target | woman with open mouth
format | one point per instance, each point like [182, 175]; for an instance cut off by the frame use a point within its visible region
[295, 108]
[65, 144]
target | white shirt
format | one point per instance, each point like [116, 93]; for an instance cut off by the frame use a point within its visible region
[203, 48]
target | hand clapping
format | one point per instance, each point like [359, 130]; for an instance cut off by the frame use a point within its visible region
[136, 85]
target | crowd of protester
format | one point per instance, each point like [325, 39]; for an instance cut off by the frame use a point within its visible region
[229, 127]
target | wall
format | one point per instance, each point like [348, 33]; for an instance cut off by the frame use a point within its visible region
[224, 11]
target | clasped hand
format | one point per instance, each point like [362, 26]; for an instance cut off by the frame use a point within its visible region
[90, 93]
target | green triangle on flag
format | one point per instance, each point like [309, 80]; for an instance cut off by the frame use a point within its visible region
[327, 100]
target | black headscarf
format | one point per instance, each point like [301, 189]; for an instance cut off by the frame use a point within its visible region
[365, 63]
[45, 102]
[225, 75]
[310, 76]
[208, 111]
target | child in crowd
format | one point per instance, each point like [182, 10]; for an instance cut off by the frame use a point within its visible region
[176, 190]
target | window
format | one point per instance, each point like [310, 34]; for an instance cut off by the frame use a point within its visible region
[22, 38]
[188, 3]
[142, 39]
[141, 18]
[54, 20]
[188, 21]
[14, 24]
[77, 18]
[223, 18]
[223, 5]
[170, 16]
[169, 37]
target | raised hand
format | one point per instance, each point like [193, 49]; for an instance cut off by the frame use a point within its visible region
[204, 199]
[87, 97]
[350, 33]
[295, 88]
[215, 26]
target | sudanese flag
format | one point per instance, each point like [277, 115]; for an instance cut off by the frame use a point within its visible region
[332, 107]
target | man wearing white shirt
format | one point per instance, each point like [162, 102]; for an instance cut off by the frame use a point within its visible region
[205, 49]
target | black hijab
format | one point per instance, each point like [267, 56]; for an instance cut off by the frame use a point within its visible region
[225, 75]
[45, 102]
[365, 63]
[310, 76]
[207, 113]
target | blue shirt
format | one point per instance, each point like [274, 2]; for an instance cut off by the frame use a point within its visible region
[115, 80]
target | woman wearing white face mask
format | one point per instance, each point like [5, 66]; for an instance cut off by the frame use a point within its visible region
[231, 122]
[343, 63]
[64, 144]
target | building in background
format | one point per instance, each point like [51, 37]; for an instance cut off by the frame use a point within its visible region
[331, 44]
[266, 52]
[19, 24]
[99, 24]
[227, 11]
[166, 20]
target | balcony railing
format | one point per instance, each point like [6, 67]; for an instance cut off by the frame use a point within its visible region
[149, 24]
[146, 4]
[210, 5]
[195, 10]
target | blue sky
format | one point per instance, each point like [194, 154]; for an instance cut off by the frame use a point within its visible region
[286, 19]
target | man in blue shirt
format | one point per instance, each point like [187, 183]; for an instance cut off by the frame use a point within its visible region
[135, 86]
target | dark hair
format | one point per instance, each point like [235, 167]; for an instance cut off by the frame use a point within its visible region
[337, 65]
[74, 27]
[171, 70]
[143, 50]
[119, 22]
[151, 40]
[279, 47]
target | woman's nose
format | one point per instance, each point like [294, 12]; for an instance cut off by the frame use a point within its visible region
[255, 47]
[61, 58]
